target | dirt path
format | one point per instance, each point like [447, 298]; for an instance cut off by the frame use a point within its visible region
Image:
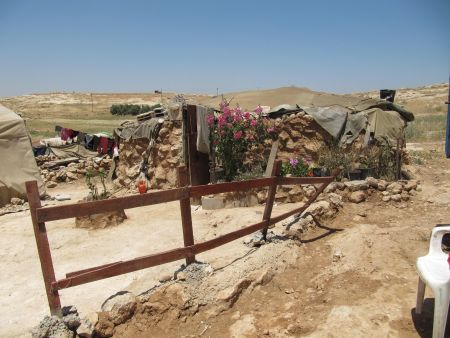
[358, 282]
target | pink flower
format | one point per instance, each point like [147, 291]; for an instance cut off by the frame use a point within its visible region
[258, 110]
[226, 112]
[210, 119]
[271, 130]
[246, 115]
[238, 110]
[237, 118]
[293, 162]
[223, 104]
[221, 121]
[253, 123]
[237, 135]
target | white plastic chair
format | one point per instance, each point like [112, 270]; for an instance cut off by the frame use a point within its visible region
[434, 270]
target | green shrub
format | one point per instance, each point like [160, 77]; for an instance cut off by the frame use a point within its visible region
[131, 109]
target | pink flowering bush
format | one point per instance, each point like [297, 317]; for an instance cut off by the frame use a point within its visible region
[296, 167]
[233, 132]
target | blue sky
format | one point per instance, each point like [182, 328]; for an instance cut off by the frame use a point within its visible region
[199, 45]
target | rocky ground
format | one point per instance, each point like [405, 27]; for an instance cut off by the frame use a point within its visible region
[351, 275]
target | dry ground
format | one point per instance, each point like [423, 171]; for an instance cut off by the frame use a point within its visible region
[369, 291]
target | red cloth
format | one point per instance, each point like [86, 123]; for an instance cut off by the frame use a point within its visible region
[67, 133]
[103, 145]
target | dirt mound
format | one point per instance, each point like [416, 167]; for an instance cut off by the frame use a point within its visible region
[101, 221]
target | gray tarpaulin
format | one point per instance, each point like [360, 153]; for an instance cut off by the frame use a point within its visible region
[366, 104]
[147, 129]
[72, 150]
[332, 119]
[355, 124]
[385, 124]
[346, 119]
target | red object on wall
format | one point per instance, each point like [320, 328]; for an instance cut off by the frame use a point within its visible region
[142, 187]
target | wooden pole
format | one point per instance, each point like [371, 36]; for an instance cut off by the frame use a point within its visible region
[398, 160]
[186, 218]
[43, 247]
[276, 170]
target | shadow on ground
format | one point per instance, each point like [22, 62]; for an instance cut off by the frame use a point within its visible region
[423, 323]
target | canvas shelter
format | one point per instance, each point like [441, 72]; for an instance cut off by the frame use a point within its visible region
[18, 163]
[344, 117]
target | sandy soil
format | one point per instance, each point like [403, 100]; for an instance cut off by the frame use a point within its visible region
[368, 290]
[357, 282]
[147, 230]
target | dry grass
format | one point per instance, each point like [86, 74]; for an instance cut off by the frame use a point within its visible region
[427, 128]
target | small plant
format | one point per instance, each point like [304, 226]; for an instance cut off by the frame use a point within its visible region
[296, 167]
[386, 162]
[335, 157]
[92, 185]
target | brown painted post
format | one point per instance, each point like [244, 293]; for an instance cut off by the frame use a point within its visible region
[186, 219]
[276, 170]
[43, 247]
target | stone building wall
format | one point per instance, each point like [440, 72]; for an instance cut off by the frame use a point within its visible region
[165, 156]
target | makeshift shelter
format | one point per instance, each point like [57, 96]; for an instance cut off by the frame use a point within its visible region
[157, 146]
[18, 163]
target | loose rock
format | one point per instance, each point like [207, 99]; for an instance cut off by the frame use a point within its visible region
[358, 196]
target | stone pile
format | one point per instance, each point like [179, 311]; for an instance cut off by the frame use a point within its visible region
[300, 136]
[359, 191]
[73, 171]
[165, 156]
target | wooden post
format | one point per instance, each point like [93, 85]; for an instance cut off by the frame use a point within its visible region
[276, 170]
[43, 247]
[398, 159]
[186, 219]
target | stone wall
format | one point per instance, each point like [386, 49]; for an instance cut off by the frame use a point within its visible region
[300, 136]
[165, 156]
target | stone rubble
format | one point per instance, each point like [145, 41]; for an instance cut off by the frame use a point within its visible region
[72, 171]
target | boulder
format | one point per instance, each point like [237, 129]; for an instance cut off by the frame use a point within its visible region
[357, 185]
[104, 327]
[372, 182]
[410, 185]
[231, 295]
[319, 208]
[395, 188]
[405, 196]
[335, 199]
[386, 198]
[120, 307]
[396, 197]
[358, 196]
[309, 190]
[87, 325]
[72, 176]
[51, 184]
[17, 201]
[382, 185]
[51, 327]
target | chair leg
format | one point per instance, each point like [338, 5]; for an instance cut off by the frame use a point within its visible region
[420, 296]
[441, 302]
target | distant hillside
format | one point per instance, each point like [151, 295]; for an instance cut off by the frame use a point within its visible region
[423, 100]
[90, 112]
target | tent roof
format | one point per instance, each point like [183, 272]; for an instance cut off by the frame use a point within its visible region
[8, 115]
